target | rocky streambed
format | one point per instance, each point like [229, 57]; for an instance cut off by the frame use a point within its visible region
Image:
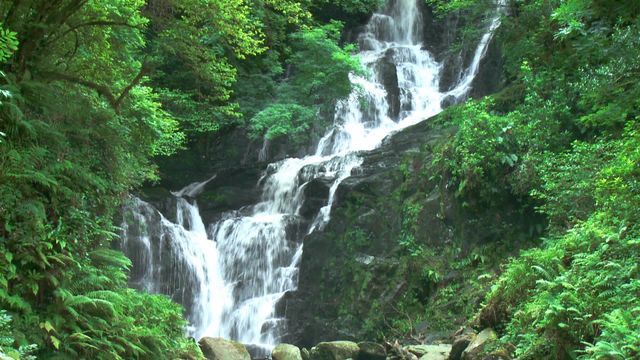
[465, 344]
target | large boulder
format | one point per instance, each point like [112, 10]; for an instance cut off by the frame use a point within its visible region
[335, 350]
[286, 352]
[476, 348]
[430, 352]
[222, 349]
[461, 339]
[371, 351]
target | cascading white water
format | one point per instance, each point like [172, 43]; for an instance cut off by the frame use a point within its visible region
[177, 259]
[242, 266]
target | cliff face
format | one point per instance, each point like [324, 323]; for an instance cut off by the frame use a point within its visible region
[363, 270]
[393, 219]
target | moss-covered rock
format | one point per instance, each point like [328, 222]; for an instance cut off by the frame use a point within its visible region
[477, 347]
[286, 352]
[371, 351]
[222, 349]
[430, 352]
[461, 339]
[335, 350]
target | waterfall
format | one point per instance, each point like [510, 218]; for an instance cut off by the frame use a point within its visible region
[231, 274]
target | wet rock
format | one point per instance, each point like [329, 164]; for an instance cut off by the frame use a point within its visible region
[430, 352]
[500, 354]
[371, 351]
[222, 349]
[305, 354]
[448, 100]
[461, 339]
[396, 352]
[490, 77]
[335, 350]
[388, 77]
[286, 352]
[476, 347]
[316, 193]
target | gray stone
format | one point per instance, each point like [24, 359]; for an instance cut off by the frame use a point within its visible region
[222, 349]
[430, 352]
[286, 352]
[335, 350]
[461, 339]
[477, 345]
[371, 351]
[305, 354]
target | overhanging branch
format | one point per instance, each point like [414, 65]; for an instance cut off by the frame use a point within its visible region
[102, 90]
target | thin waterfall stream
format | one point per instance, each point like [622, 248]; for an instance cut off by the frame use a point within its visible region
[230, 275]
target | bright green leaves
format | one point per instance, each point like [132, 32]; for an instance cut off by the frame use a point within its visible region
[8, 43]
[320, 77]
[563, 139]
[354, 7]
[195, 53]
[486, 150]
[446, 6]
[577, 290]
[8, 348]
[281, 120]
[321, 66]
[571, 16]
[294, 11]
[163, 130]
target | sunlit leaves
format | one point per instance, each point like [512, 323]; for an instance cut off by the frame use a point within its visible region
[8, 43]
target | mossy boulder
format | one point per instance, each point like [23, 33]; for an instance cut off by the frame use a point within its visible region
[371, 351]
[223, 349]
[461, 339]
[430, 352]
[286, 352]
[476, 349]
[335, 350]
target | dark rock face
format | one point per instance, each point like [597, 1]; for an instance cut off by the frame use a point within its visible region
[461, 339]
[441, 37]
[371, 351]
[389, 78]
[490, 77]
[354, 269]
[364, 229]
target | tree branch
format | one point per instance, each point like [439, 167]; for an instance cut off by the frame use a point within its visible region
[136, 80]
[102, 90]
[92, 23]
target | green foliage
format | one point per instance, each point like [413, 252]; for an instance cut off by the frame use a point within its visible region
[447, 6]
[410, 220]
[563, 138]
[79, 129]
[7, 342]
[282, 120]
[577, 290]
[353, 7]
[8, 43]
[319, 78]
[193, 44]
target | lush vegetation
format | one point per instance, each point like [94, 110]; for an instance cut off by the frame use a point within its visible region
[93, 92]
[90, 93]
[550, 165]
[561, 137]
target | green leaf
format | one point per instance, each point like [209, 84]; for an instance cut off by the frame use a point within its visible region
[55, 342]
